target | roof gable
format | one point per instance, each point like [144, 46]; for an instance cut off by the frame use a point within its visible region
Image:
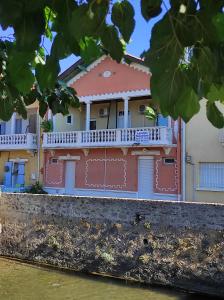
[106, 76]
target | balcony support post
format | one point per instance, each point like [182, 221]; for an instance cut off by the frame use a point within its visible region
[88, 115]
[126, 99]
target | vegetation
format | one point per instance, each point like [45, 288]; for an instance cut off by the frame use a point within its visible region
[47, 125]
[36, 189]
[186, 54]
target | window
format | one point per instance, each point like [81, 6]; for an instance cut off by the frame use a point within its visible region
[18, 126]
[162, 121]
[92, 124]
[211, 176]
[2, 128]
[69, 119]
[53, 160]
[168, 161]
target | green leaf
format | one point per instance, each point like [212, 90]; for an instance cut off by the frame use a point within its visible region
[47, 74]
[42, 108]
[7, 108]
[214, 115]
[20, 107]
[88, 20]
[123, 17]
[216, 93]
[29, 30]
[218, 21]
[151, 8]
[60, 49]
[150, 113]
[89, 50]
[32, 96]
[115, 48]
[19, 71]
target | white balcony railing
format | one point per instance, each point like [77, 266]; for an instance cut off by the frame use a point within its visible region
[26, 141]
[109, 137]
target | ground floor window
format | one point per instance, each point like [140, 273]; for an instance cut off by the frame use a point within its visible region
[211, 175]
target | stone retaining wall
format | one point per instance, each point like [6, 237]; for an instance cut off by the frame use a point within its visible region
[167, 243]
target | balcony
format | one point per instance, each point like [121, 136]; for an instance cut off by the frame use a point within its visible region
[146, 136]
[26, 141]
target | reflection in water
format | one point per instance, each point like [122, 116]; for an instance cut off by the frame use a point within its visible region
[20, 281]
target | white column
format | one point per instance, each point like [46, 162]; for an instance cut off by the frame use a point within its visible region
[126, 99]
[54, 122]
[13, 123]
[88, 115]
[49, 114]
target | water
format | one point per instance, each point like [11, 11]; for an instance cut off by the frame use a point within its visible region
[19, 281]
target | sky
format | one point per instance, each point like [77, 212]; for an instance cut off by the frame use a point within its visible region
[139, 41]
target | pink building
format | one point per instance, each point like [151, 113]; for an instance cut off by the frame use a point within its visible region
[108, 147]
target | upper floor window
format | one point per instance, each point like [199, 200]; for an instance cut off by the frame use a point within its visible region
[162, 121]
[69, 119]
[18, 126]
[92, 124]
[211, 176]
[2, 128]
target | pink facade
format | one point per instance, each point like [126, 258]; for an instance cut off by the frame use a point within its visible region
[123, 78]
[112, 170]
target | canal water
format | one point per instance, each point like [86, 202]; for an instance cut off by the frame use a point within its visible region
[19, 281]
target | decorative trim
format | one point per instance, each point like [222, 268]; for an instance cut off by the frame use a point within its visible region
[167, 150]
[31, 152]
[107, 74]
[117, 95]
[107, 185]
[17, 160]
[124, 151]
[60, 169]
[163, 189]
[145, 152]
[52, 152]
[85, 151]
[139, 67]
[89, 68]
[69, 157]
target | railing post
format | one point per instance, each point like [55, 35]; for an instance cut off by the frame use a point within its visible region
[163, 135]
[45, 139]
[29, 140]
[169, 135]
[79, 138]
[118, 136]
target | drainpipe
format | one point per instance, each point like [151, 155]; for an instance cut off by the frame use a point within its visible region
[183, 159]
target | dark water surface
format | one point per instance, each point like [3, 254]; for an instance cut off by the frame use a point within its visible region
[19, 281]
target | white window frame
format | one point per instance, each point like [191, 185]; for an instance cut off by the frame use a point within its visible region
[169, 163]
[53, 161]
[213, 180]
[70, 115]
[92, 120]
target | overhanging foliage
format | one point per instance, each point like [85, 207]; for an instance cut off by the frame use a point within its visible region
[186, 53]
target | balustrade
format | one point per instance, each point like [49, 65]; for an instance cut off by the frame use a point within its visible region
[109, 137]
[18, 141]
